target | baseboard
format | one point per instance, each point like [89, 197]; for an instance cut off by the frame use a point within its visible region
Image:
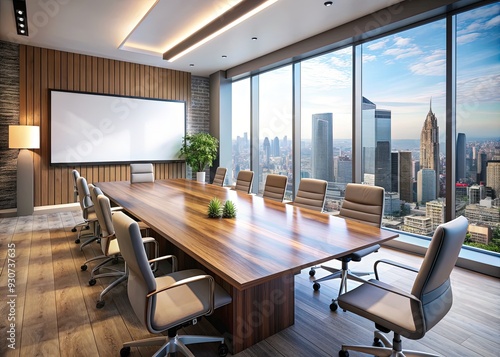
[12, 212]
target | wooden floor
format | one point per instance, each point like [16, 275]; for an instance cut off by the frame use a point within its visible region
[52, 307]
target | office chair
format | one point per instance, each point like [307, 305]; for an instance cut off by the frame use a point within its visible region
[311, 194]
[409, 314]
[244, 181]
[141, 173]
[109, 247]
[168, 302]
[75, 174]
[362, 203]
[220, 176]
[275, 187]
[88, 213]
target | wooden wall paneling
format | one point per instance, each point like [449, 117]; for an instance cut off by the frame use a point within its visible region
[60, 194]
[50, 80]
[100, 75]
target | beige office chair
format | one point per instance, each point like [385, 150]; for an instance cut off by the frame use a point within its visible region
[362, 203]
[311, 194]
[244, 181]
[75, 174]
[220, 176]
[275, 187]
[141, 173]
[88, 213]
[168, 302]
[109, 247]
[409, 314]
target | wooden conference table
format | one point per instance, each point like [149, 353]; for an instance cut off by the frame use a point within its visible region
[253, 256]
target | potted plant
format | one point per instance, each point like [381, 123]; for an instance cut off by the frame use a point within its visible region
[199, 150]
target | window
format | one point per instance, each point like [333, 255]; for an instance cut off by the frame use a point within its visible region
[326, 122]
[477, 191]
[240, 127]
[275, 127]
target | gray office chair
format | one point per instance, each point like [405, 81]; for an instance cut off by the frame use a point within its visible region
[168, 302]
[275, 187]
[311, 194]
[109, 247]
[409, 314]
[220, 176]
[141, 173]
[88, 213]
[362, 203]
[244, 181]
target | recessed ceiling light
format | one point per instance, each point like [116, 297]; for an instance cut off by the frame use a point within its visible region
[328, 3]
[19, 12]
[224, 56]
[20, 17]
[191, 65]
[254, 38]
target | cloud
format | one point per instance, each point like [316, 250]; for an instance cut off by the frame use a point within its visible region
[378, 45]
[471, 37]
[401, 41]
[403, 52]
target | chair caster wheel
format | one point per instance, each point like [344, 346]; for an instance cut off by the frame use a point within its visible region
[73, 229]
[333, 306]
[77, 241]
[115, 261]
[316, 286]
[377, 343]
[223, 350]
[100, 304]
[312, 272]
[125, 351]
[92, 282]
[84, 267]
[343, 353]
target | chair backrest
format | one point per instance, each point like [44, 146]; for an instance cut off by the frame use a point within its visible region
[220, 176]
[363, 203]
[432, 284]
[85, 200]
[141, 173]
[141, 280]
[244, 181]
[102, 207]
[311, 194]
[75, 174]
[275, 187]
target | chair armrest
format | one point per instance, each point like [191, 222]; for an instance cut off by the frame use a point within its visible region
[391, 289]
[393, 263]
[211, 284]
[165, 257]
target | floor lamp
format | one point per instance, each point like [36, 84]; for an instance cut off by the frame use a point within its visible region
[24, 137]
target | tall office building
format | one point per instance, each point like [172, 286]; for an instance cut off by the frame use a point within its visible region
[275, 147]
[426, 185]
[461, 167]
[267, 150]
[493, 176]
[376, 145]
[322, 146]
[481, 167]
[402, 179]
[342, 169]
[429, 148]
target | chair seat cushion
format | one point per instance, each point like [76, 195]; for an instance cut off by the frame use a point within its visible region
[386, 308]
[186, 302]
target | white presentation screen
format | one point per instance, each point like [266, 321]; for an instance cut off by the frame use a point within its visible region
[92, 128]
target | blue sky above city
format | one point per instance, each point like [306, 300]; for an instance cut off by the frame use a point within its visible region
[401, 73]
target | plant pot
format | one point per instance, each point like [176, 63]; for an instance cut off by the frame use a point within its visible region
[200, 176]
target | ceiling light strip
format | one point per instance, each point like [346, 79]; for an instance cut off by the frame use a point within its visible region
[224, 22]
[122, 45]
[21, 17]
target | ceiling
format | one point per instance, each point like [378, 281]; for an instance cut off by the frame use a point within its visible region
[140, 31]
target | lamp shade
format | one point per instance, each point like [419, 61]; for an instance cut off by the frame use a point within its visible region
[24, 137]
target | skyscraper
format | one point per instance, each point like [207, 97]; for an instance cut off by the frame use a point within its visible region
[460, 158]
[426, 185]
[402, 179]
[493, 176]
[322, 146]
[376, 145]
[267, 150]
[276, 147]
[429, 147]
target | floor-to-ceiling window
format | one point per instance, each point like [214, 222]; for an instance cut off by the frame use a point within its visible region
[403, 125]
[275, 127]
[326, 122]
[477, 191]
[240, 127]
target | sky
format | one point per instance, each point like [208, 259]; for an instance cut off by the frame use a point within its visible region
[402, 73]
